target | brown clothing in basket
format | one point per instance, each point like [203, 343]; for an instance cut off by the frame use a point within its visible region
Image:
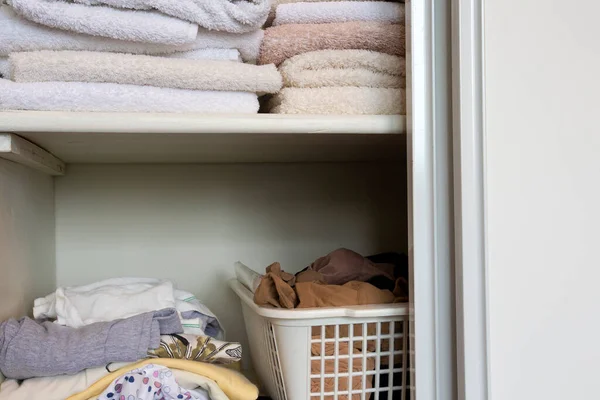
[275, 288]
[343, 265]
[343, 368]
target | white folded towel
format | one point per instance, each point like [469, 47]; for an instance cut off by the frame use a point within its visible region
[101, 67]
[236, 16]
[18, 34]
[207, 54]
[137, 26]
[361, 68]
[111, 97]
[342, 11]
[339, 100]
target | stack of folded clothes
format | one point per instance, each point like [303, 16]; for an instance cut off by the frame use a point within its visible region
[134, 55]
[337, 57]
[124, 338]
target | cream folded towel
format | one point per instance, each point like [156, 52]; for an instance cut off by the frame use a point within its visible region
[88, 66]
[111, 97]
[341, 11]
[235, 16]
[362, 68]
[285, 41]
[137, 26]
[339, 100]
[207, 54]
[18, 34]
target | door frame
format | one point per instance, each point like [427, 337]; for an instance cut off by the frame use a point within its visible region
[472, 312]
[430, 192]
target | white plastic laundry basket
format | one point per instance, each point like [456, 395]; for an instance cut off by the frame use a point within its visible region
[303, 354]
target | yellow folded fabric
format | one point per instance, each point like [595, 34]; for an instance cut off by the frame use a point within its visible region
[233, 384]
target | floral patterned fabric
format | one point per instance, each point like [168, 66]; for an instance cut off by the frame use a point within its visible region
[151, 382]
[198, 348]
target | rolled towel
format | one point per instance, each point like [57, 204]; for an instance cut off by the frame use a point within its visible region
[207, 54]
[111, 97]
[18, 34]
[339, 100]
[131, 69]
[341, 11]
[219, 15]
[285, 41]
[362, 68]
[137, 26]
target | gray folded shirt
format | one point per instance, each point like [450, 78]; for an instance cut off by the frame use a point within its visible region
[31, 349]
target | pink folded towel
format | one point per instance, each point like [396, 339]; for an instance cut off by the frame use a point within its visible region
[285, 41]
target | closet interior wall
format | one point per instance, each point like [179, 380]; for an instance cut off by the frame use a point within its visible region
[189, 223]
[27, 239]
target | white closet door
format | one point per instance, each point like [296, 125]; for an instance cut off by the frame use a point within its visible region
[536, 154]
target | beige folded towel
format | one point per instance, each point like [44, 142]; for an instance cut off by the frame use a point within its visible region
[339, 100]
[285, 41]
[362, 68]
[275, 3]
[88, 66]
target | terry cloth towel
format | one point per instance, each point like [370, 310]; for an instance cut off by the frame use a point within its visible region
[149, 382]
[61, 387]
[4, 70]
[18, 34]
[219, 15]
[232, 383]
[198, 348]
[118, 298]
[137, 26]
[285, 41]
[112, 97]
[206, 54]
[31, 349]
[339, 100]
[77, 66]
[361, 68]
[342, 11]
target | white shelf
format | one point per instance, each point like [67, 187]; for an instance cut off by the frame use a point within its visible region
[186, 138]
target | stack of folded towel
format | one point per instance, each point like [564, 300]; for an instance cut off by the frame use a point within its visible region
[119, 339]
[337, 57]
[134, 55]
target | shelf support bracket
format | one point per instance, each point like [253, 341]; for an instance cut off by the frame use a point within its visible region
[22, 151]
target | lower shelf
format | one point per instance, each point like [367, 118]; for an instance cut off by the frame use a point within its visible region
[185, 138]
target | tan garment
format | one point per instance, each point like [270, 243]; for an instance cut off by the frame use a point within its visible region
[350, 294]
[343, 367]
[275, 289]
[285, 41]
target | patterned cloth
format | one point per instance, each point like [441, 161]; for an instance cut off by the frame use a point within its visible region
[197, 348]
[151, 382]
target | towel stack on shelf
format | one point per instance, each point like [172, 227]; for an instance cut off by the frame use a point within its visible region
[134, 55]
[337, 57]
